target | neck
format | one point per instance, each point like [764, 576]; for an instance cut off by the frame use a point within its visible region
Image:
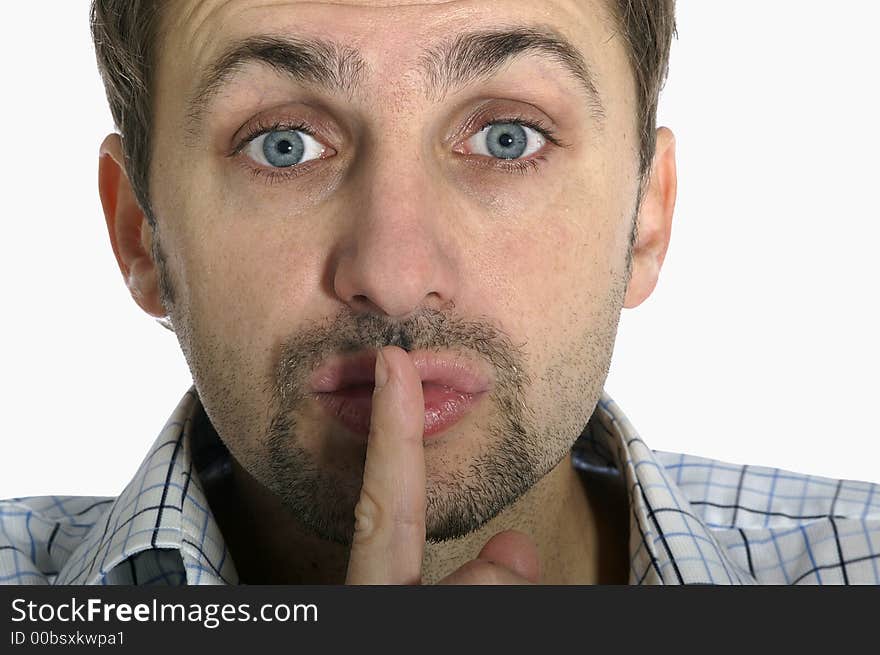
[578, 522]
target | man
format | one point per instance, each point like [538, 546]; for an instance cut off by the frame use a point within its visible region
[394, 241]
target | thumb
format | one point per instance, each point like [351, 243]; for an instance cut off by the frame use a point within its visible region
[516, 551]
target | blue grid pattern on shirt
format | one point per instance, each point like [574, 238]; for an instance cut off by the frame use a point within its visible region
[785, 527]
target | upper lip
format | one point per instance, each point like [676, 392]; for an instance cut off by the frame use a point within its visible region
[452, 371]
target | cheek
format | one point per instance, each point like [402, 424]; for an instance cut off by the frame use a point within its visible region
[244, 286]
[563, 288]
[241, 264]
[556, 281]
[570, 257]
[246, 280]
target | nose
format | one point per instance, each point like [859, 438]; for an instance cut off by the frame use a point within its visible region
[397, 255]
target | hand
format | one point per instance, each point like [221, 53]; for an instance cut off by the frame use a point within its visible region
[389, 535]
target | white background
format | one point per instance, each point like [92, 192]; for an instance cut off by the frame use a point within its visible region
[759, 344]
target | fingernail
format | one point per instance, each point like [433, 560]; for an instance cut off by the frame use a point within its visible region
[381, 371]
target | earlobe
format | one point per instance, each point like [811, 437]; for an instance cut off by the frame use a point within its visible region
[654, 222]
[128, 229]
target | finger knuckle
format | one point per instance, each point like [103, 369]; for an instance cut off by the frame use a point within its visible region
[367, 518]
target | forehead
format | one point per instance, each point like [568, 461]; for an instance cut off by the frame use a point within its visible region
[386, 32]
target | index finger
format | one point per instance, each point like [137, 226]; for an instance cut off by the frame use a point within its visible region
[389, 535]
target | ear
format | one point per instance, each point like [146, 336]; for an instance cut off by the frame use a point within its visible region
[130, 233]
[655, 222]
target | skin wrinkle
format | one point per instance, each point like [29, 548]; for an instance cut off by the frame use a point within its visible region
[525, 274]
[315, 61]
[464, 61]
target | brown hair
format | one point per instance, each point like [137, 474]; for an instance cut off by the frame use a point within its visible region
[125, 34]
[647, 27]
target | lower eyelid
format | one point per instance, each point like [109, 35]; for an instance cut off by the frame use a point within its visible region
[273, 175]
[494, 164]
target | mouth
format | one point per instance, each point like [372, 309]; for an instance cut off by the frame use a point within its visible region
[451, 386]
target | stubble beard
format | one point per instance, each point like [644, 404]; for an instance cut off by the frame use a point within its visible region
[509, 458]
[458, 502]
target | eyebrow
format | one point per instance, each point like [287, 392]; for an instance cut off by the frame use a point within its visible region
[464, 60]
[478, 55]
[316, 61]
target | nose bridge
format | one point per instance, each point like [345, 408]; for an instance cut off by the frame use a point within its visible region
[393, 260]
[395, 183]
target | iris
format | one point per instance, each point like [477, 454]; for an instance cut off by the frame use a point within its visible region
[283, 148]
[506, 140]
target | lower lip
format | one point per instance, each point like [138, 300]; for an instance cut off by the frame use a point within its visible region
[353, 407]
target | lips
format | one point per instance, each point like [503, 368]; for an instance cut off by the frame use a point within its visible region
[451, 387]
[453, 372]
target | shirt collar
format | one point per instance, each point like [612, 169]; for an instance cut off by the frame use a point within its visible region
[668, 542]
[165, 507]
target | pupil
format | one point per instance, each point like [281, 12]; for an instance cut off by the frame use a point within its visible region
[506, 140]
[284, 147]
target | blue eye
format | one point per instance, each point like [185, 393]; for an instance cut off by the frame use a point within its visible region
[284, 148]
[506, 141]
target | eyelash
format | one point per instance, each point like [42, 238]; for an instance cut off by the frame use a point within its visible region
[270, 175]
[521, 166]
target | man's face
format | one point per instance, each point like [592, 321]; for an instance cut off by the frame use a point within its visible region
[406, 218]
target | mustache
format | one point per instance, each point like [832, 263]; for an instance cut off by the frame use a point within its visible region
[428, 329]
